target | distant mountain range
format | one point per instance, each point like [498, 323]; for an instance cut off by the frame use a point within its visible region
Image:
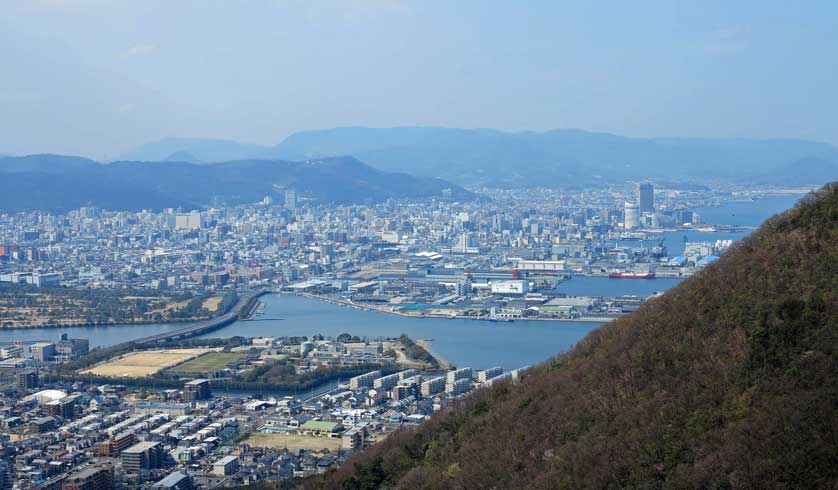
[59, 183]
[560, 158]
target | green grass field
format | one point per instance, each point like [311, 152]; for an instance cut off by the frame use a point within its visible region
[212, 361]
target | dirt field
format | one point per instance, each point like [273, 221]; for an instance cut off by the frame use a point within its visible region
[139, 364]
[213, 303]
[293, 441]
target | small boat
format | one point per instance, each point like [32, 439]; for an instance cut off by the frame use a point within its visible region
[632, 275]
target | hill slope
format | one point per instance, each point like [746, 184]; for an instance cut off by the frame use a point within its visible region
[56, 183]
[727, 381]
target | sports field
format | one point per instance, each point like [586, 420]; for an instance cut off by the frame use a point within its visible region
[144, 363]
[293, 441]
[212, 361]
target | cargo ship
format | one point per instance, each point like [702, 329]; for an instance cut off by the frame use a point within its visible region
[632, 275]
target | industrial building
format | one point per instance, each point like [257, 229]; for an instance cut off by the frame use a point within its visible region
[515, 287]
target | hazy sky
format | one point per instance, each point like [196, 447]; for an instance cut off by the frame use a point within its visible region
[96, 77]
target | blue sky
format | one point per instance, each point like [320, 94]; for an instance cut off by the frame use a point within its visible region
[96, 77]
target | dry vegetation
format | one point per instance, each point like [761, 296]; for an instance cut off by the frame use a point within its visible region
[726, 382]
[212, 303]
[293, 441]
[29, 306]
[144, 363]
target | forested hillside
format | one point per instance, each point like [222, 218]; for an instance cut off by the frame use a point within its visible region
[728, 381]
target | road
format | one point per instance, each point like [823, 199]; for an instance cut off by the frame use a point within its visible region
[205, 326]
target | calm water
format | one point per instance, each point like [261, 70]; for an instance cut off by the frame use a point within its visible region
[98, 336]
[746, 213]
[474, 343]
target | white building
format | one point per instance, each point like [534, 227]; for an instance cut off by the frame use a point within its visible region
[631, 216]
[364, 380]
[458, 387]
[517, 287]
[462, 373]
[433, 386]
[188, 221]
[488, 374]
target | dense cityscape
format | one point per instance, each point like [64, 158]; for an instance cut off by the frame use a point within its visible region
[479, 258]
[172, 411]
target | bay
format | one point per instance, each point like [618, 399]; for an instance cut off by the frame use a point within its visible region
[475, 343]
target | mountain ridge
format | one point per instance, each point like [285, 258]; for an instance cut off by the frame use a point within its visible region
[558, 157]
[58, 183]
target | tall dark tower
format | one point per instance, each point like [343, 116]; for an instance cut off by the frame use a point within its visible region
[646, 198]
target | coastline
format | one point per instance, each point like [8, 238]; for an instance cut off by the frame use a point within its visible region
[426, 344]
[103, 324]
[327, 299]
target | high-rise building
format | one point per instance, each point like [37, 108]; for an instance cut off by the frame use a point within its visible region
[5, 477]
[116, 444]
[363, 380]
[188, 221]
[466, 244]
[456, 375]
[64, 408]
[198, 389]
[631, 216]
[27, 379]
[290, 199]
[433, 386]
[142, 456]
[646, 198]
[98, 477]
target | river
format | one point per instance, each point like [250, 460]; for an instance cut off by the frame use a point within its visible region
[475, 343]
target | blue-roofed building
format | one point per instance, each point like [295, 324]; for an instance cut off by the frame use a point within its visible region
[678, 261]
